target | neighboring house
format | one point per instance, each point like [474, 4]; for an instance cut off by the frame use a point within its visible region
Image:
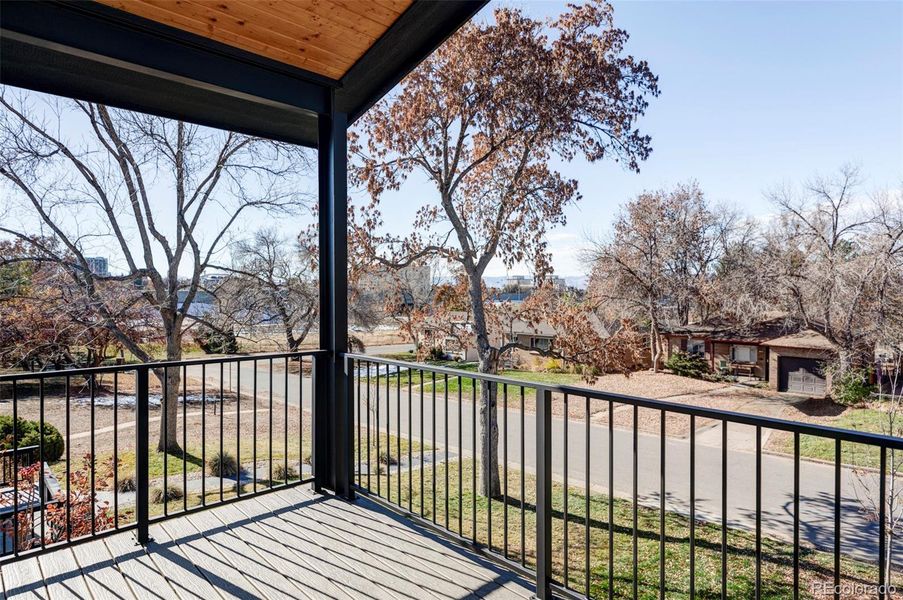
[796, 362]
[780, 352]
[453, 336]
[540, 337]
[448, 337]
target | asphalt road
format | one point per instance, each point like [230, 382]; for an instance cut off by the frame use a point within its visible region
[859, 535]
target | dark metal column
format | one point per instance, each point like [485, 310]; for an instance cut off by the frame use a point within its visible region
[142, 431]
[332, 411]
[543, 494]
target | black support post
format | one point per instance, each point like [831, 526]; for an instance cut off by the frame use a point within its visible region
[543, 494]
[332, 412]
[142, 474]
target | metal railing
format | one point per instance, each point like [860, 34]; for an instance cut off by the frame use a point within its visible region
[239, 429]
[419, 448]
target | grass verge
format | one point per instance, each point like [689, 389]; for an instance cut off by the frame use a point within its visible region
[476, 517]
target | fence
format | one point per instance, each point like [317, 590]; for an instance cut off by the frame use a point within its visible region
[237, 428]
[560, 511]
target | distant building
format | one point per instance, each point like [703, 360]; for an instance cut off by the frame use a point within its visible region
[519, 283]
[98, 265]
[213, 280]
[522, 284]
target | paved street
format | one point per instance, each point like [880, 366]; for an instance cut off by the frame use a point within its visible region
[858, 534]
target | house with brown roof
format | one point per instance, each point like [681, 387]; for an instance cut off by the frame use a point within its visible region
[780, 351]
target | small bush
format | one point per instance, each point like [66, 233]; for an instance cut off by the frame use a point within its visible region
[851, 387]
[173, 492]
[127, 483]
[216, 342]
[386, 458]
[436, 354]
[281, 473]
[29, 434]
[222, 465]
[553, 365]
[688, 365]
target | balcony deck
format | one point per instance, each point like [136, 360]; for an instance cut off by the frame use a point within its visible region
[286, 544]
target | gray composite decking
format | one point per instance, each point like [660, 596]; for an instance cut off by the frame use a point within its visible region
[287, 544]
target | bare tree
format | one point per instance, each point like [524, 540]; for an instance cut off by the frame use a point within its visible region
[272, 281]
[480, 119]
[661, 259]
[833, 260]
[161, 195]
[867, 481]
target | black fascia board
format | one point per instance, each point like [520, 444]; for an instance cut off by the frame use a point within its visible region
[415, 35]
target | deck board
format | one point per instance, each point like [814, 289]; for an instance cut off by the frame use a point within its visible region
[172, 557]
[140, 572]
[23, 580]
[305, 571]
[286, 544]
[100, 572]
[62, 575]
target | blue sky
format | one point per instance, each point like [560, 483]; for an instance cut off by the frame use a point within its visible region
[753, 95]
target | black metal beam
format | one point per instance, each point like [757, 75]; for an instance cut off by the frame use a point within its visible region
[418, 31]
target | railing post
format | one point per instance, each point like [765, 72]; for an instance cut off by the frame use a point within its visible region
[345, 473]
[320, 430]
[142, 469]
[543, 494]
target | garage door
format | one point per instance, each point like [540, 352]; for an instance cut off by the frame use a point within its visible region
[801, 376]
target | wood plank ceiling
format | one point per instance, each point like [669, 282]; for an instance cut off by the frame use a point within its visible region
[322, 36]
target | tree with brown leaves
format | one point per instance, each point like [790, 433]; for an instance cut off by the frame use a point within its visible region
[481, 119]
[661, 259]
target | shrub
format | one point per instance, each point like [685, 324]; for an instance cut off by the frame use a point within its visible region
[77, 509]
[851, 387]
[216, 342]
[688, 365]
[554, 365]
[436, 354]
[29, 434]
[281, 473]
[386, 458]
[222, 465]
[173, 492]
[127, 483]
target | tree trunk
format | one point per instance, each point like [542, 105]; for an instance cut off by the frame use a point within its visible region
[170, 380]
[490, 483]
[655, 346]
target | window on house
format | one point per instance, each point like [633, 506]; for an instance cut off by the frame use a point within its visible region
[743, 354]
[541, 344]
[696, 347]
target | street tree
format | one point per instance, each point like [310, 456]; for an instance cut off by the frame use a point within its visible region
[482, 119]
[161, 196]
[271, 280]
[660, 261]
[46, 320]
[832, 258]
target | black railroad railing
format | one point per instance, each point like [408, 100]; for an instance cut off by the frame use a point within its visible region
[95, 468]
[432, 446]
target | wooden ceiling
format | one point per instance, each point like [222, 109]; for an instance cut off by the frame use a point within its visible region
[322, 36]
